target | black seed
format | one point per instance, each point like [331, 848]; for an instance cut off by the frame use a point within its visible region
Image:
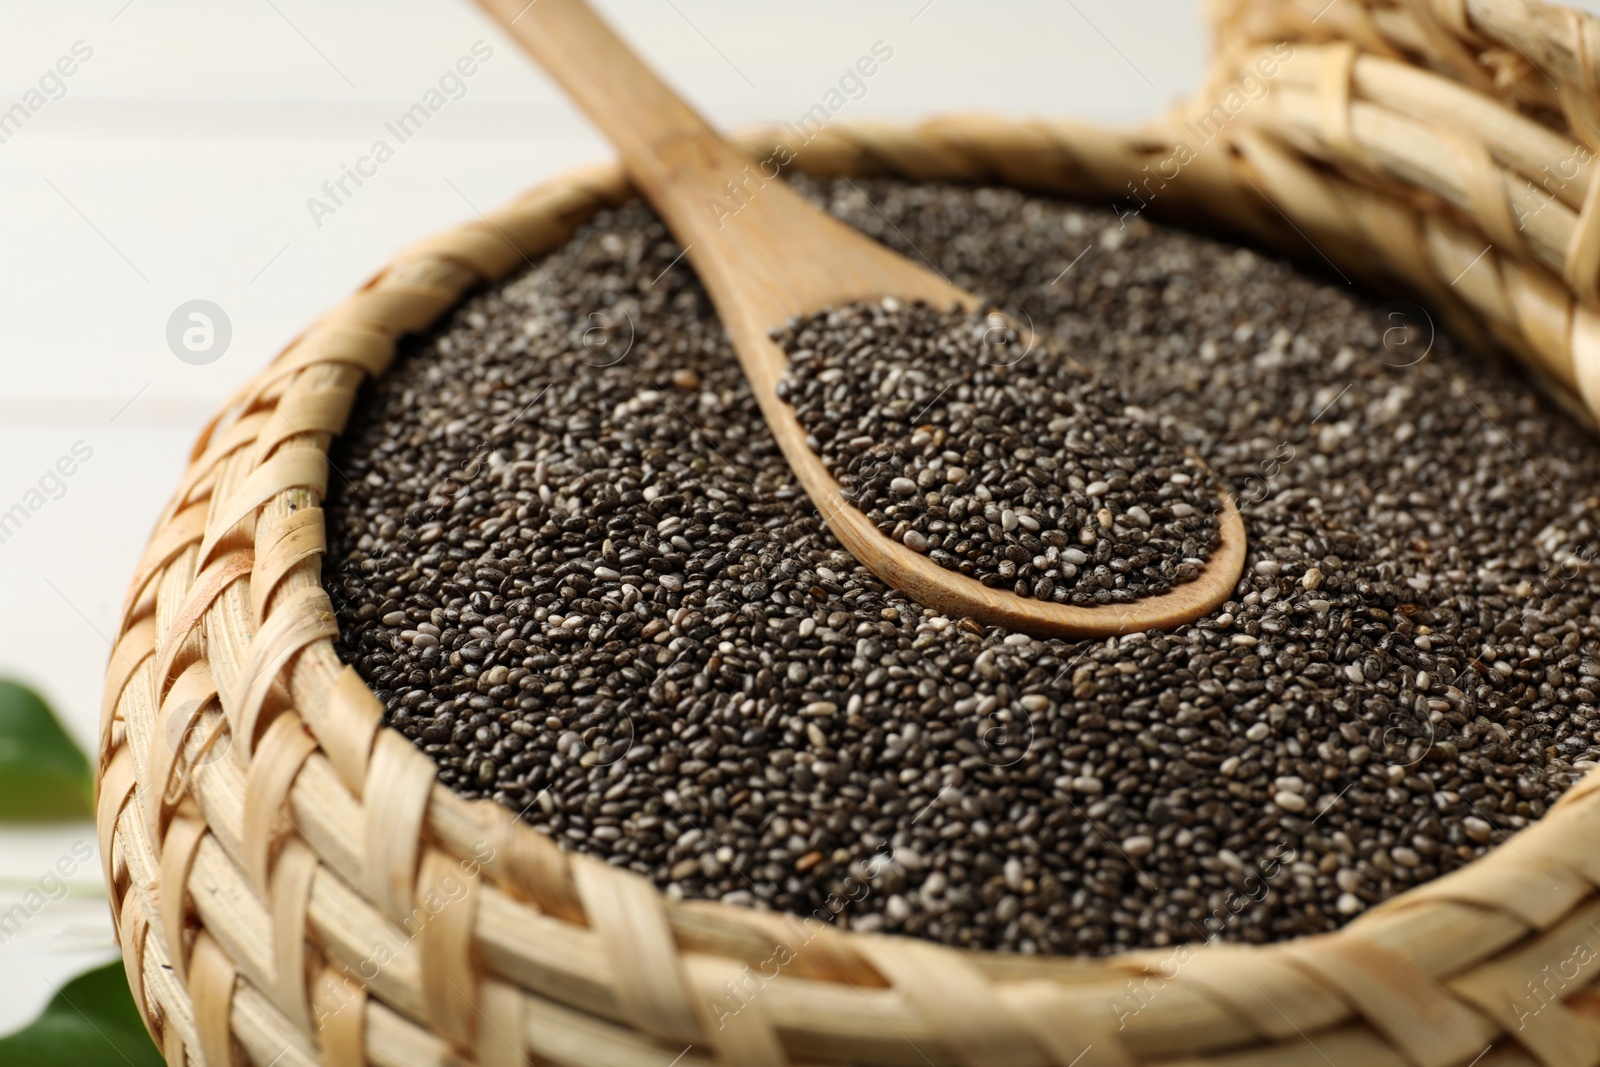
[918, 412]
[572, 564]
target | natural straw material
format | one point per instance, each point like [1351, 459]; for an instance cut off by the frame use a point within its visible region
[292, 886]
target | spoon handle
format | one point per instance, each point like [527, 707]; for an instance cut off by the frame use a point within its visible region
[672, 154]
[763, 251]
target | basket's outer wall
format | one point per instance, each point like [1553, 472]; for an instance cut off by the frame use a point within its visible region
[292, 887]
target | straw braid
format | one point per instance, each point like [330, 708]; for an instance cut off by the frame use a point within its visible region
[292, 885]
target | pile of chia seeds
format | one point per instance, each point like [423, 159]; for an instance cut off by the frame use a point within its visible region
[569, 558]
[996, 457]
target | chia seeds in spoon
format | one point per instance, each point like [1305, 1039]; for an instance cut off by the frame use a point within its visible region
[999, 460]
[571, 562]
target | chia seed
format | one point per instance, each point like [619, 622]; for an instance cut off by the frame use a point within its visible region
[574, 567]
[1001, 461]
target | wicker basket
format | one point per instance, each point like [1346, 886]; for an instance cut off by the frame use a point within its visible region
[293, 887]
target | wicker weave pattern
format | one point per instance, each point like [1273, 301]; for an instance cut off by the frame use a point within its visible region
[293, 887]
[1471, 131]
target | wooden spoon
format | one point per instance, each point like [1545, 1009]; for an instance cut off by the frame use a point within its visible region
[778, 257]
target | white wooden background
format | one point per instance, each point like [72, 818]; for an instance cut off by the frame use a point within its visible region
[178, 163]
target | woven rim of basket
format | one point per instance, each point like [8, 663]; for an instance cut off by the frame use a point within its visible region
[312, 926]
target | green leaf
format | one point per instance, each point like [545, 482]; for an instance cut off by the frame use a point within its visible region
[90, 1022]
[43, 773]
